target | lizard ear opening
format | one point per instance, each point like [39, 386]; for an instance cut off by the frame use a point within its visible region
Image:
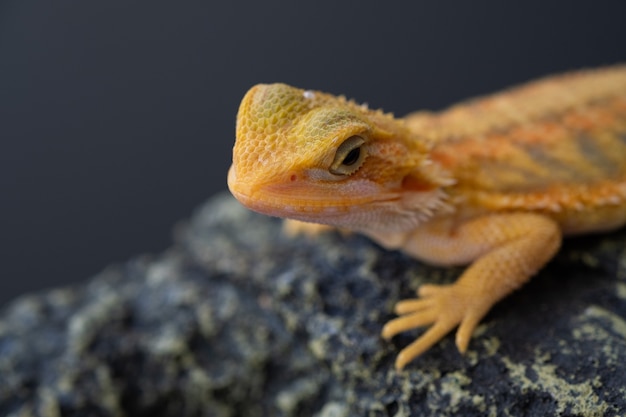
[349, 156]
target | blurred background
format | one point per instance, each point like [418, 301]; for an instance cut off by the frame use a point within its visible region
[117, 117]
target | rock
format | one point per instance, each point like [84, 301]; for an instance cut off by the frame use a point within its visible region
[239, 320]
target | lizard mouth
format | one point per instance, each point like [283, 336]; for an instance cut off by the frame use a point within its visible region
[306, 201]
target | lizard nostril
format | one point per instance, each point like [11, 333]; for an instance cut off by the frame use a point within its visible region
[293, 177]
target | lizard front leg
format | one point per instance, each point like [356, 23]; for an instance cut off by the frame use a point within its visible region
[506, 250]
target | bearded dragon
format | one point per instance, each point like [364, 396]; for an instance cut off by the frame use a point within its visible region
[493, 182]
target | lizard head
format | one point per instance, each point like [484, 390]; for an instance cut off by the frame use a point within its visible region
[315, 157]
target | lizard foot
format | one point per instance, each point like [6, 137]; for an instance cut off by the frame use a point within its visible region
[443, 307]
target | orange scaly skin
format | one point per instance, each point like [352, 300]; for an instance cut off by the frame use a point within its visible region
[494, 182]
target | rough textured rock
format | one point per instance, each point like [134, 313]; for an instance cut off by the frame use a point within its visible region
[238, 320]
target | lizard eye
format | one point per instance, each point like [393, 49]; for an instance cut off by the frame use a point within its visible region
[349, 156]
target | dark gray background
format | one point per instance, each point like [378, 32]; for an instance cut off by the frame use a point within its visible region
[117, 117]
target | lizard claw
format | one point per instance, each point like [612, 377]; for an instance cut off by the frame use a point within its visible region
[443, 307]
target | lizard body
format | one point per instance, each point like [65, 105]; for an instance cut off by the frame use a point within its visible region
[493, 182]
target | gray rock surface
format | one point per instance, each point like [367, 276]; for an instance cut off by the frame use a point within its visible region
[238, 320]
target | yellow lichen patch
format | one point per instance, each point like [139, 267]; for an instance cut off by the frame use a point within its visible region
[491, 345]
[563, 392]
[592, 331]
[453, 385]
